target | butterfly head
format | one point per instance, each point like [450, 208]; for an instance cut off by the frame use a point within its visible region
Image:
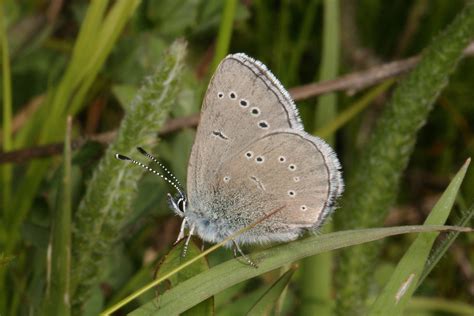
[178, 203]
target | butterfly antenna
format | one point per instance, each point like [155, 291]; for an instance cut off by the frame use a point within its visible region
[125, 158]
[152, 158]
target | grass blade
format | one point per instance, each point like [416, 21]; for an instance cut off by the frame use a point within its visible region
[6, 171]
[232, 272]
[270, 298]
[173, 259]
[350, 112]
[7, 115]
[58, 294]
[61, 99]
[404, 280]
[316, 281]
[430, 306]
[372, 187]
[225, 33]
[443, 246]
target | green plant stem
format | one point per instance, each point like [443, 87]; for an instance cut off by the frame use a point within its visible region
[7, 117]
[225, 33]
[111, 190]
[316, 280]
[58, 294]
[351, 111]
[282, 43]
[372, 187]
[304, 34]
[326, 110]
[6, 170]
[425, 305]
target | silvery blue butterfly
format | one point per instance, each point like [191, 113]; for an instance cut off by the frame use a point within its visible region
[251, 156]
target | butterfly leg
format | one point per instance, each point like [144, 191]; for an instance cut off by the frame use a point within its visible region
[238, 251]
[181, 231]
[186, 243]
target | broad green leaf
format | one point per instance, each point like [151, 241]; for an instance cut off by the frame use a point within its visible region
[404, 280]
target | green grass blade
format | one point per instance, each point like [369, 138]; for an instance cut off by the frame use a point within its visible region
[7, 116]
[430, 306]
[110, 30]
[302, 41]
[316, 280]
[225, 33]
[327, 104]
[372, 187]
[6, 170]
[232, 272]
[444, 245]
[345, 116]
[111, 190]
[404, 280]
[270, 298]
[282, 45]
[58, 295]
[62, 97]
[173, 259]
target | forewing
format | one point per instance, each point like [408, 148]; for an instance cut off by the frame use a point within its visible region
[244, 102]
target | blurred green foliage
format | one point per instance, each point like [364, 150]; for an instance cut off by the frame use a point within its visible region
[55, 73]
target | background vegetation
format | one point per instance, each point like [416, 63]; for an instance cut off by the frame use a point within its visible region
[79, 230]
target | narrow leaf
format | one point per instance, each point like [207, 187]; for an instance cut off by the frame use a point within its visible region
[173, 259]
[269, 299]
[444, 245]
[225, 32]
[232, 272]
[404, 280]
[375, 178]
[58, 296]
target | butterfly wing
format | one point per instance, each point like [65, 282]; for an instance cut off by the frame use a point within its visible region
[286, 170]
[244, 101]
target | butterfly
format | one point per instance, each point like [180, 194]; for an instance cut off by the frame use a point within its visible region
[251, 156]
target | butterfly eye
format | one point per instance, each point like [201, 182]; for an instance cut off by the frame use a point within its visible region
[303, 208]
[232, 95]
[226, 179]
[259, 159]
[282, 159]
[220, 95]
[249, 154]
[244, 103]
[292, 167]
[291, 193]
[296, 179]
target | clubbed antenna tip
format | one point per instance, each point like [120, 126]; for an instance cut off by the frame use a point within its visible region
[122, 157]
[142, 151]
